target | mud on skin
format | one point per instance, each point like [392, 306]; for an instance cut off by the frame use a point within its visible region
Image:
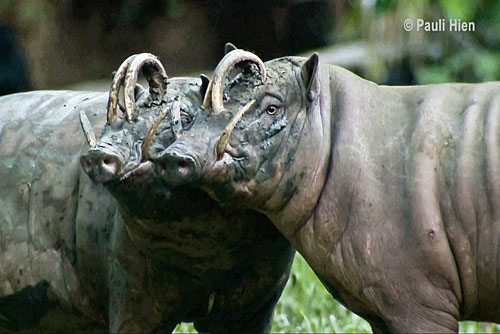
[224, 270]
[389, 193]
[61, 235]
[54, 224]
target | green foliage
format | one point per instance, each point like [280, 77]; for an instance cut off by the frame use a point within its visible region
[434, 57]
[486, 65]
[464, 56]
[432, 74]
[467, 66]
[185, 328]
[465, 10]
[382, 6]
[307, 307]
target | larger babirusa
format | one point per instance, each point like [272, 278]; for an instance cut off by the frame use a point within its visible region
[392, 194]
[55, 224]
[178, 256]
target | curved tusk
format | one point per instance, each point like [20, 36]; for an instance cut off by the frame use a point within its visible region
[87, 128]
[149, 137]
[224, 138]
[222, 70]
[115, 89]
[207, 99]
[155, 75]
[205, 81]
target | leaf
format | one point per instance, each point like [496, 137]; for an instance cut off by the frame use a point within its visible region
[487, 65]
[457, 9]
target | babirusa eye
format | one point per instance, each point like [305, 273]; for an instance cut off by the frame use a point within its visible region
[272, 109]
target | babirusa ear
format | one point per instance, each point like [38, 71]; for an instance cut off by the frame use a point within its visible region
[310, 76]
[229, 47]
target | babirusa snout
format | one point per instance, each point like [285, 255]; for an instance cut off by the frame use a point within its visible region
[101, 166]
[175, 167]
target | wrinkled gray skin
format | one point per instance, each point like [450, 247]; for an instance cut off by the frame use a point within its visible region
[179, 256]
[392, 194]
[55, 225]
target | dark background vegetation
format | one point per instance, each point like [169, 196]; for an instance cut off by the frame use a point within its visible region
[47, 44]
[67, 41]
[61, 42]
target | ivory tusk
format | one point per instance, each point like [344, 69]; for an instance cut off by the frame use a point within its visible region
[149, 137]
[155, 75]
[224, 138]
[87, 128]
[115, 89]
[222, 70]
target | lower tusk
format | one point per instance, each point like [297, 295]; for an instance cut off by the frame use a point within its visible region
[87, 128]
[224, 138]
[211, 300]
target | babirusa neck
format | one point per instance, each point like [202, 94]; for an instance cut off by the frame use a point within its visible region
[305, 177]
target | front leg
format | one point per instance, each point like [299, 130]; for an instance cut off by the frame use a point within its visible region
[130, 307]
[133, 307]
[425, 320]
[431, 311]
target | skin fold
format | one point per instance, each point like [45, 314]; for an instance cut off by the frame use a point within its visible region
[391, 194]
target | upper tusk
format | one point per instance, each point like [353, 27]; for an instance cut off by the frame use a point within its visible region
[207, 99]
[149, 137]
[115, 89]
[222, 70]
[224, 138]
[155, 74]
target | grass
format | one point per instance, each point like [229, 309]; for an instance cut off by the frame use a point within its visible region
[306, 307]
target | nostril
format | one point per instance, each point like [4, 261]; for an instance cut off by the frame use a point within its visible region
[86, 164]
[110, 165]
[184, 166]
[175, 167]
